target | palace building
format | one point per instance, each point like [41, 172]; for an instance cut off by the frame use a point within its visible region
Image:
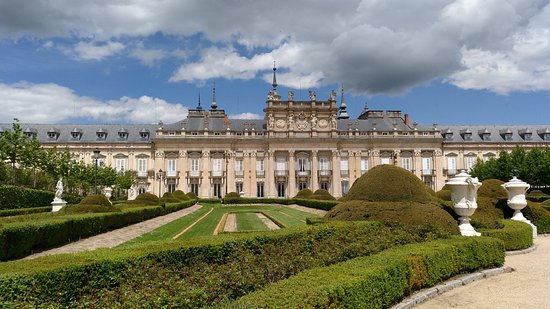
[299, 144]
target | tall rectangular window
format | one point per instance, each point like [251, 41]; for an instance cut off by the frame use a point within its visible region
[470, 162]
[364, 165]
[406, 163]
[239, 167]
[171, 170]
[385, 160]
[194, 167]
[426, 165]
[142, 167]
[324, 164]
[451, 165]
[239, 187]
[120, 164]
[260, 168]
[280, 166]
[217, 167]
[345, 187]
[259, 189]
[344, 167]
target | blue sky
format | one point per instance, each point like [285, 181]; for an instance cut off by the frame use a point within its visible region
[441, 61]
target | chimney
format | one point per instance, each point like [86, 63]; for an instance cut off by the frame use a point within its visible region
[406, 119]
[225, 119]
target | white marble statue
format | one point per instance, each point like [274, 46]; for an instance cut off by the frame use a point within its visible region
[59, 189]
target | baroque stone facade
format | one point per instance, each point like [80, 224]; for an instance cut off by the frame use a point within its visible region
[299, 144]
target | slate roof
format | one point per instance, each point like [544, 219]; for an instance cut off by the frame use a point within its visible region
[516, 134]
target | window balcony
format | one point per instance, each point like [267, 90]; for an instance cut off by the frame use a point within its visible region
[194, 174]
[344, 173]
[449, 172]
[216, 174]
[260, 173]
[281, 173]
[141, 174]
[303, 173]
[325, 173]
[171, 173]
[239, 173]
[427, 172]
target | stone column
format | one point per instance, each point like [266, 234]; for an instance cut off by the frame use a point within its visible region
[336, 179]
[182, 169]
[269, 185]
[291, 174]
[375, 158]
[439, 180]
[417, 163]
[205, 180]
[158, 164]
[229, 186]
[250, 191]
[314, 171]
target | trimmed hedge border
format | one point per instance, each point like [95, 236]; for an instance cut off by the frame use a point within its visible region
[317, 204]
[379, 280]
[20, 239]
[196, 274]
[15, 197]
[24, 211]
[515, 235]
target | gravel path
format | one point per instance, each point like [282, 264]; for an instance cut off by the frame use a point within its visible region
[526, 287]
[314, 211]
[268, 222]
[230, 223]
[118, 236]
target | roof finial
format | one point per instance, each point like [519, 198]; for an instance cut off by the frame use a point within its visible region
[199, 106]
[274, 77]
[343, 114]
[214, 105]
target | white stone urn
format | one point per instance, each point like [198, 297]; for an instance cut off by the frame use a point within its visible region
[108, 192]
[516, 199]
[464, 197]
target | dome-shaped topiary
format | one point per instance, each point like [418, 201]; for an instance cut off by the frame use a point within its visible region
[444, 193]
[180, 195]
[418, 218]
[167, 195]
[95, 199]
[492, 188]
[322, 194]
[388, 183]
[192, 195]
[147, 198]
[304, 193]
[232, 195]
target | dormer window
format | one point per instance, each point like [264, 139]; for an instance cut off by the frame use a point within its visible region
[506, 134]
[485, 135]
[544, 134]
[466, 134]
[144, 134]
[101, 134]
[123, 134]
[526, 134]
[29, 133]
[76, 133]
[448, 135]
[53, 134]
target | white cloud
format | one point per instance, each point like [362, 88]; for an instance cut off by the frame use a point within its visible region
[95, 50]
[52, 103]
[48, 44]
[372, 46]
[246, 116]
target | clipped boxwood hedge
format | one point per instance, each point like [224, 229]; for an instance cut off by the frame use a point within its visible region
[380, 280]
[190, 274]
[24, 211]
[515, 235]
[21, 238]
[15, 197]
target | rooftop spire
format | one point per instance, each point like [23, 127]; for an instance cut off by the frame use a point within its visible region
[274, 77]
[214, 105]
[343, 114]
[199, 106]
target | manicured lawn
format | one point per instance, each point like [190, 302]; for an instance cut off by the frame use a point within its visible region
[249, 221]
[246, 221]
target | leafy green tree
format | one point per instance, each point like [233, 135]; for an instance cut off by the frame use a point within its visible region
[12, 145]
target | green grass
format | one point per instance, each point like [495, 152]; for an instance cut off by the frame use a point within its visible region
[249, 221]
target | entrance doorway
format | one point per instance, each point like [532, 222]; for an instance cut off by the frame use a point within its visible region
[217, 190]
[281, 189]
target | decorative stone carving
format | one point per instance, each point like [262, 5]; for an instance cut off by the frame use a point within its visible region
[270, 121]
[159, 154]
[516, 200]
[438, 152]
[332, 95]
[108, 192]
[313, 121]
[183, 154]
[290, 121]
[132, 193]
[333, 122]
[206, 153]
[323, 123]
[291, 96]
[281, 123]
[463, 195]
[417, 152]
[312, 95]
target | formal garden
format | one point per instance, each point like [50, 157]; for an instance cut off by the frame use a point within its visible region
[388, 237]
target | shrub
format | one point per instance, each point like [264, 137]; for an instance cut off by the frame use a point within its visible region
[72, 199]
[538, 215]
[388, 183]
[84, 208]
[95, 199]
[321, 194]
[20, 238]
[192, 195]
[492, 188]
[180, 195]
[444, 194]
[380, 280]
[304, 193]
[489, 213]
[536, 192]
[180, 274]
[147, 198]
[232, 195]
[427, 220]
[167, 195]
[317, 204]
[24, 211]
[515, 235]
[545, 203]
[14, 197]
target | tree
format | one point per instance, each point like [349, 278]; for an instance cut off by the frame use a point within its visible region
[12, 145]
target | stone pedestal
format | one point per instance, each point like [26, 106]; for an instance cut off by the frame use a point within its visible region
[57, 204]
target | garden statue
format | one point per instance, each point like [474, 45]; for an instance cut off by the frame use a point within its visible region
[516, 200]
[58, 201]
[463, 195]
[108, 191]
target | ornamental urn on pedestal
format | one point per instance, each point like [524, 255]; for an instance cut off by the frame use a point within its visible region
[464, 198]
[516, 199]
